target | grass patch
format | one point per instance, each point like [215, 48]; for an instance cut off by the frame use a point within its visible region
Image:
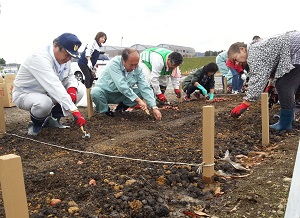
[193, 63]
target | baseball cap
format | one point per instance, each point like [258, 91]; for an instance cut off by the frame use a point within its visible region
[70, 42]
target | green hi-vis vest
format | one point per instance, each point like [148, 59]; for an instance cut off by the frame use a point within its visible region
[145, 57]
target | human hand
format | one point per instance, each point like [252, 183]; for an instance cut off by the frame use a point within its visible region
[178, 93]
[157, 114]
[143, 105]
[72, 91]
[211, 96]
[269, 89]
[79, 119]
[204, 91]
[90, 65]
[238, 110]
[162, 97]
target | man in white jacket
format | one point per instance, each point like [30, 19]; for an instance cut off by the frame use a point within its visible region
[46, 87]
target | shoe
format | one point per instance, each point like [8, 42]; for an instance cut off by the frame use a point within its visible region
[34, 129]
[186, 98]
[121, 107]
[54, 123]
[197, 95]
[109, 113]
[235, 92]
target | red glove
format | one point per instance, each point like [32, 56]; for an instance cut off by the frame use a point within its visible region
[238, 110]
[79, 119]
[72, 91]
[162, 97]
[178, 93]
[269, 89]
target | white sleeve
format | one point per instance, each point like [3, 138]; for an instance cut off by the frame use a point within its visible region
[175, 78]
[157, 64]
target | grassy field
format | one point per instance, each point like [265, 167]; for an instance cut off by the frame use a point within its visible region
[193, 63]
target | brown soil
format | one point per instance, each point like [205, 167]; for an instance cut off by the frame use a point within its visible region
[132, 159]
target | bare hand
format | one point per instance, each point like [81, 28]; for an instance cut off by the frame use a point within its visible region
[157, 114]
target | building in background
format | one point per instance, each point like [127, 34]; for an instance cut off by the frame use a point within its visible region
[112, 51]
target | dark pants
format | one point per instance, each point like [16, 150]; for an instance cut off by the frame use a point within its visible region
[191, 88]
[88, 80]
[287, 87]
[57, 111]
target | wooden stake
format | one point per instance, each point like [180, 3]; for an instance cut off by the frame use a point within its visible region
[89, 103]
[225, 84]
[2, 118]
[208, 144]
[265, 119]
[12, 186]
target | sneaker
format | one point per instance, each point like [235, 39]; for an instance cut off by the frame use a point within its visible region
[197, 95]
[121, 107]
[109, 113]
[186, 98]
[34, 129]
[54, 123]
[235, 92]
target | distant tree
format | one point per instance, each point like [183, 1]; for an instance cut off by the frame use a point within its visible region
[210, 53]
[2, 61]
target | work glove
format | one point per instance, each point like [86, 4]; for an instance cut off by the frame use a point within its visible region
[204, 91]
[72, 91]
[90, 65]
[211, 96]
[238, 110]
[79, 119]
[162, 97]
[178, 93]
[269, 89]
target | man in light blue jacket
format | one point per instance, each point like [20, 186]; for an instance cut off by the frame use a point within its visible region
[123, 82]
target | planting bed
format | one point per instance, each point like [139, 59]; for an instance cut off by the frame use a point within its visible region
[127, 168]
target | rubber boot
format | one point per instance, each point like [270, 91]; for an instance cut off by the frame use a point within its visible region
[35, 126]
[285, 120]
[53, 121]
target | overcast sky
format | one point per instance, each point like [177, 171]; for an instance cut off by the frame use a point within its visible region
[203, 25]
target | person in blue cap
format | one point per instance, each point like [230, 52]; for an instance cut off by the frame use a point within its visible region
[46, 87]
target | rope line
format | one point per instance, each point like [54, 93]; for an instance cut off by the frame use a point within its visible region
[105, 155]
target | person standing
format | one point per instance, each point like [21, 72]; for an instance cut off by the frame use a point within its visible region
[123, 82]
[276, 58]
[46, 87]
[160, 64]
[89, 57]
[202, 79]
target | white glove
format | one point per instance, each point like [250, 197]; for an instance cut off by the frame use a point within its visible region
[89, 64]
[243, 77]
